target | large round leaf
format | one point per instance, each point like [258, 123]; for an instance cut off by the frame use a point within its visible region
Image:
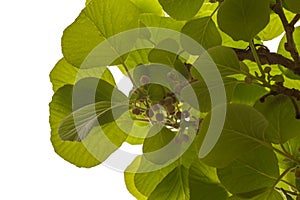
[204, 31]
[73, 152]
[100, 20]
[181, 9]
[293, 5]
[255, 170]
[174, 186]
[204, 184]
[243, 131]
[281, 115]
[243, 19]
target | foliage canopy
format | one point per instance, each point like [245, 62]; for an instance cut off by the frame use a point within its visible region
[169, 110]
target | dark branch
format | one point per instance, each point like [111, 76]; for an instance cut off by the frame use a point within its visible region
[295, 20]
[289, 28]
[266, 57]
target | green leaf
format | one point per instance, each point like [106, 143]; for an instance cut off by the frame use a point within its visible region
[97, 22]
[204, 31]
[243, 19]
[280, 113]
[173, 186]
[248, 94]
[148, 6]
[203, 101]
[149, 175]
[156, 92]
[73, 152]
[226, 60]
[65, 74]
[281, 50]
[253, 171]
[293, 5]
[150, 20]
[62, 74]
[129, 178]
[243, 131]
[91, 106]
[79, 39]
[181, 9]
[159, 146]
[137, 57]
[204, 183]
[270, 194]
[274, 27]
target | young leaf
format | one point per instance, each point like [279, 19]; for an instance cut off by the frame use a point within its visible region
[243, 19]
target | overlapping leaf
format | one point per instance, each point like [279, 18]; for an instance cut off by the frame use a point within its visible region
[243, 19]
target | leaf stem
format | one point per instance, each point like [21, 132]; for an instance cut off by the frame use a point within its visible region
[286, 155]
[131, 78]
[257, 60]
[217, 8]
[283, 175]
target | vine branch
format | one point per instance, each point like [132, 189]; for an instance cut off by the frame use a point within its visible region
[267, 57]
[289, 28]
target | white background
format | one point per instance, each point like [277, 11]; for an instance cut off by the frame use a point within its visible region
[30, 32]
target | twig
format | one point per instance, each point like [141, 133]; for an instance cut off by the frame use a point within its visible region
[267, 57]
[289, 28]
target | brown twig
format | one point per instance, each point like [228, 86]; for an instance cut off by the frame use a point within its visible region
[289, 28]
[295, 20]
[267, 57]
